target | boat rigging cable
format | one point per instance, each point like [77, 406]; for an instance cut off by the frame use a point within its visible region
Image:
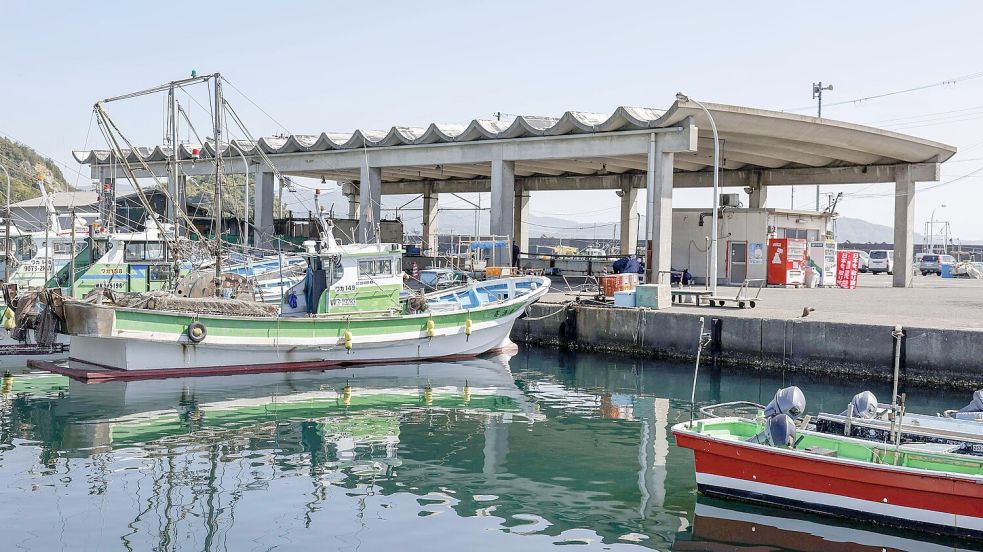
[108, 128]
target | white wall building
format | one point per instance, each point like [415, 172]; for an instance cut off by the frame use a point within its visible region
[743, 236]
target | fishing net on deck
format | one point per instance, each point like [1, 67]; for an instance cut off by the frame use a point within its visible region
[163, 301]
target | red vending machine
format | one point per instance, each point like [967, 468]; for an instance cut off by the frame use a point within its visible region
[786, 262]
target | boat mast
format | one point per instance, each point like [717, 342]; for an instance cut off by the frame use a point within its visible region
[172, 167]
[219, 109]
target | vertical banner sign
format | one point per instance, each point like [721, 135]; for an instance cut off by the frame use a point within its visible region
[847, 267]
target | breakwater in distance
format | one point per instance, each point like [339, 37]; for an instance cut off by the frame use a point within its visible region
[933, 356]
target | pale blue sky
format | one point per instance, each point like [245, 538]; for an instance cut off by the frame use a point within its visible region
[337, 66]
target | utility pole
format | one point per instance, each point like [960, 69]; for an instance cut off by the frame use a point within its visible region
[219, 109]
[71, 263]
[817, 93]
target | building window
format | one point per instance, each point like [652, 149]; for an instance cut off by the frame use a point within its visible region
[799, 233]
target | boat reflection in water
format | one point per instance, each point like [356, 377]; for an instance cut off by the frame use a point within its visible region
[720, 525]
[98, 417]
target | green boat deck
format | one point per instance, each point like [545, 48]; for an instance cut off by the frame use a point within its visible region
[736, 429]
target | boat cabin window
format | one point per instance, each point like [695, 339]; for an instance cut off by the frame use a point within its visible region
[144, 251]
[25, 248]
[62, 248]
[376, 268]
[155, 251]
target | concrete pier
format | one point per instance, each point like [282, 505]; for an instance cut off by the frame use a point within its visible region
[849, 332]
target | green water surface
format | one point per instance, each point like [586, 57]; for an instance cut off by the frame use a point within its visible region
[542, 449]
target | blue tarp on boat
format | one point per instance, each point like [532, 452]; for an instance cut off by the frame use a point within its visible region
[486, 245]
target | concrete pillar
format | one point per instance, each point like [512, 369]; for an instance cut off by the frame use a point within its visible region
[263, 210]
[369, 204]
[430, 230]
[520, 231]
[759, 192]
[350, 191]
[503, 201]
[496, 446]
[904, 226]
[629, 217]
[658, 249]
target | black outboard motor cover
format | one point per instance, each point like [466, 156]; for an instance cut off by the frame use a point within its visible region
[864, 406]
[789, 400]
[973, 410]
[779, 432]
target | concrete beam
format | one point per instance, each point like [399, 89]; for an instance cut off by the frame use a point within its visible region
[369, 203]
[923, 172]
[263, 209]
[904, 227]
[569, 146]
[430, 230]
[503, 198]
[629, 217]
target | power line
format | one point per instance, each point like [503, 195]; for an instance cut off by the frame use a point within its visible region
[946, 82]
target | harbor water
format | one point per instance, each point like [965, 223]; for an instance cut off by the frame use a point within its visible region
[520, 452]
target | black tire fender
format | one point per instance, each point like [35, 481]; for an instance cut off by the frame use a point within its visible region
[197, 332]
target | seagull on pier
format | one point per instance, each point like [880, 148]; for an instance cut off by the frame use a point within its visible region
[806, 311]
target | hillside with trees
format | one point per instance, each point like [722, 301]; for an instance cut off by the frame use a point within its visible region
[24, 165]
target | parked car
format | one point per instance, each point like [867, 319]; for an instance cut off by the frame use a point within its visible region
[881, 260]
[932, 263]
[864, 261]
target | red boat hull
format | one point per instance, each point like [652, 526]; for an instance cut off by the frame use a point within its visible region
[939, 503]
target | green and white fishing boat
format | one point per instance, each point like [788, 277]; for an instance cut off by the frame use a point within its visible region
[348, 308]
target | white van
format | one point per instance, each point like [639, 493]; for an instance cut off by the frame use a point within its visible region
[881, 260]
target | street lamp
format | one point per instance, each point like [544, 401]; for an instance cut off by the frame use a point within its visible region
[931, 228]
[817, 93]
[6, 239]
[712, 269]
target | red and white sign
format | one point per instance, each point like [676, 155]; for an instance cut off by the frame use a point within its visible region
[847, 268]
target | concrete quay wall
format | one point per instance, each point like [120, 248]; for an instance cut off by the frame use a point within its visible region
[940, 356]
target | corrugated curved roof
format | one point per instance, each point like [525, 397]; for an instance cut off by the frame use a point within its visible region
[752, 138]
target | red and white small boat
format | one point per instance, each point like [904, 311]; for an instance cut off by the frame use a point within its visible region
[911, 486]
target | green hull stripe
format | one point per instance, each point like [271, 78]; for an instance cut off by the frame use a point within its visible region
[160, 322]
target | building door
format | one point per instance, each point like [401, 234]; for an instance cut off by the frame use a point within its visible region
[738, 262]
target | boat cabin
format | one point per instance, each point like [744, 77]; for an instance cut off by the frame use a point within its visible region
[344, 279]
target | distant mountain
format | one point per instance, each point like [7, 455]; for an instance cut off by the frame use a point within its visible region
[24, 163]
[860, 231]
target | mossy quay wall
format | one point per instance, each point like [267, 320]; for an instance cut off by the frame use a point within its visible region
[940, 356]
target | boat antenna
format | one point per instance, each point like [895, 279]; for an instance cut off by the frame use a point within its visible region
[703, 342]
[897, 410]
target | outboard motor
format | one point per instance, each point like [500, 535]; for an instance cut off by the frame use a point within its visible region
[779, 432]
[864, 406]
[789, 400]
[973, 410]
